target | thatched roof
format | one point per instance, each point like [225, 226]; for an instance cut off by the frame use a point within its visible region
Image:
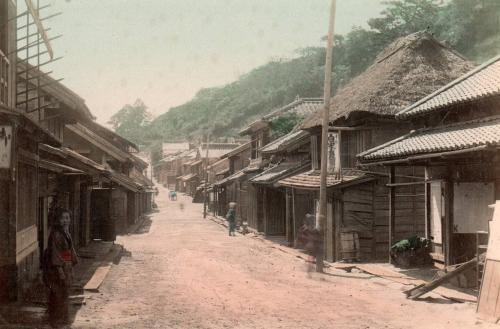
[407, 70]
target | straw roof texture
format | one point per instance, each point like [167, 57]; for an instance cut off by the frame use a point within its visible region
[407, 70]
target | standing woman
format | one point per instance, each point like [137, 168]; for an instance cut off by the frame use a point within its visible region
[59, 259]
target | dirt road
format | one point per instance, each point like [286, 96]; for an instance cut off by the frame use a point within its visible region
[186, 272]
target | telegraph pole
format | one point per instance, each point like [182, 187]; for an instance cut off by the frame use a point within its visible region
[205, 188]
[324, 138]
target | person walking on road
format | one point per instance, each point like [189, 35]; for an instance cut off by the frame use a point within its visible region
[231, 218]
[58, 262]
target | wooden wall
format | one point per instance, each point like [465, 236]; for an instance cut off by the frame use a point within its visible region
[409, 211]
[252, 208]
[358, 215]
[275, 212]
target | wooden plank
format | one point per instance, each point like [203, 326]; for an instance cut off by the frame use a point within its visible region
[97, 279]
[357, 207]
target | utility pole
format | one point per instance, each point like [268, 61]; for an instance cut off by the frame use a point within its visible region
[205, 188]
[324, 138]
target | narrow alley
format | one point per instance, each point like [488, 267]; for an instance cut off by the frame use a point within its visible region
[183, 271]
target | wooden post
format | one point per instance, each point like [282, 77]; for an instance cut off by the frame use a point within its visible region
[324, 137]
[264, 209]
[287, 215]
[392, 211]
[205, 190]
[448, 220]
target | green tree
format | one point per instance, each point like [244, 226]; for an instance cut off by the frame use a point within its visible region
[284, 124]
[132, 122]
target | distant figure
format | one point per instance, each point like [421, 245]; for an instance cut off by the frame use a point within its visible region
[309, 239]
[231, 218]
[59, 259]
[172, 195]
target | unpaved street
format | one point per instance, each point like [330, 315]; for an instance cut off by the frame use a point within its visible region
[186, 272]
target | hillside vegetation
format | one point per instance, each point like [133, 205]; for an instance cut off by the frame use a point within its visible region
[470, 26]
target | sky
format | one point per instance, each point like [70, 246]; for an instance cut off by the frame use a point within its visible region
[164, 51]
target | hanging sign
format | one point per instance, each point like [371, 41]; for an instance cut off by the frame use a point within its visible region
[5, 146]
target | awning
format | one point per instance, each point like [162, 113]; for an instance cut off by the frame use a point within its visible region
[125, 181]
[142, 180]
[59, 168]
[188, 177]
[311, 179]
[74, 159]
[237, 175]
[294, 139]
[84, 160]
[451, 139]
[222, 172]
[280, 171]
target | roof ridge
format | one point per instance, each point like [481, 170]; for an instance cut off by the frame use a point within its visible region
[420, 34]
[449, 85]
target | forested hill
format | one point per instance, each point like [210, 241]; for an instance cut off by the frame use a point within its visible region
[224, 110]
[469, 26]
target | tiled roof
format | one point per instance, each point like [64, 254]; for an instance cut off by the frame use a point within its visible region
[482, 82]
[279, 171]
[311, 179]
[292, 139]
[461, 136]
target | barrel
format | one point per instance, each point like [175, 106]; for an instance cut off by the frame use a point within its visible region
[349, 246]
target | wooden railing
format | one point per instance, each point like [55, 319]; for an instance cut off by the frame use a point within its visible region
[4, 79]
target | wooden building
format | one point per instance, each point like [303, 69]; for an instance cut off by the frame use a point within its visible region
[181, 169]
[20, 138]
[40, 168]
[288, 155]
[362, 115]
[261, 133]
[215, 172]
[456, 140]
[165, 170]
[228, 184]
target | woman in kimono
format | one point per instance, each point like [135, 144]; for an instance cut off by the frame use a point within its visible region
[59, 259]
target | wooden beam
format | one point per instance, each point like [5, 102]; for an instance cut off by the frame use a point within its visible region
[294, 223]
[425, 288]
